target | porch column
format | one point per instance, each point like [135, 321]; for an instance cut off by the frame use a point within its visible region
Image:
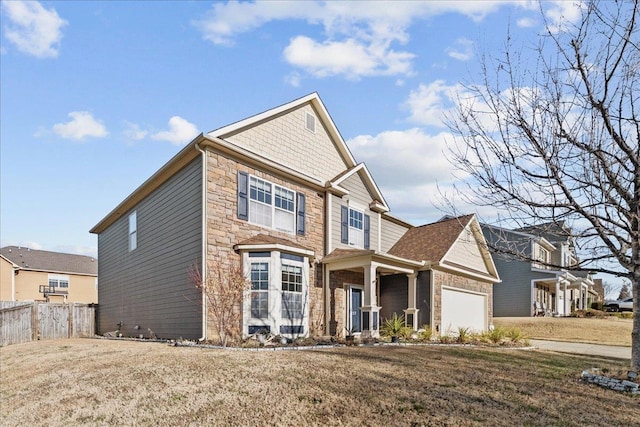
[557, 297]
[370, 309]
[411, 313]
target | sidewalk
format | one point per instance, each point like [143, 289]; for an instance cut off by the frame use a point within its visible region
[614, 351]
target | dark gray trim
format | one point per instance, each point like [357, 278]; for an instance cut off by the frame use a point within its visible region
[243, 202]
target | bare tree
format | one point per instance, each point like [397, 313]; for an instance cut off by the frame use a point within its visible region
[224, 288]
[556, 140]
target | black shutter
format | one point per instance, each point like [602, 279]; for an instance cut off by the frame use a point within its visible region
[300, 214]
[367, 227]
[243, 203]
[344, 222]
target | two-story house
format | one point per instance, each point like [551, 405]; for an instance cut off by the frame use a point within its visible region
[35, 275]
[280, 194]
[534, 265]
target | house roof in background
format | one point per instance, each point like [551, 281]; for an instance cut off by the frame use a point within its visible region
[430, 242]
[53, 262]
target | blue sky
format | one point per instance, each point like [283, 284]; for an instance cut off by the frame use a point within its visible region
[96, 96]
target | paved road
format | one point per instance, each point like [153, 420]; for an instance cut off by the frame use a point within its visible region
[581, 348]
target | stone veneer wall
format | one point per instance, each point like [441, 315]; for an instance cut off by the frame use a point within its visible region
[441, 278]
[225, 230]
[337, 299]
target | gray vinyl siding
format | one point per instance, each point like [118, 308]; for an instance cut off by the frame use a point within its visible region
[391, 233]
[512, 297]
[149, 287]
[394, 295]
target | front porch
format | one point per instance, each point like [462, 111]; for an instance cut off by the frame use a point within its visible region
[354, 285]
[561, 295]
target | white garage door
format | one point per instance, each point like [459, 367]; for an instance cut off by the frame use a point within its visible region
[463, 310]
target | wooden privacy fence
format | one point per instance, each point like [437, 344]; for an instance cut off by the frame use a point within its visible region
[24, 322]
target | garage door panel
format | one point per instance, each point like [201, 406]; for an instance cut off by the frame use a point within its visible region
[463, 310]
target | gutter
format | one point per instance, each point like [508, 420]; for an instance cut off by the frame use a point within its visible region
[204, 240]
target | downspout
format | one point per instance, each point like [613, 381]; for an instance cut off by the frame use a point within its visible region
[326, 279]
[204, 240]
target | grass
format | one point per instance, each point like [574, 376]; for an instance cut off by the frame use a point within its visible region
[104, 383]
[609, 330]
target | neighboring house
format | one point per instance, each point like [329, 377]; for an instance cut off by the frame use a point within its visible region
[35, 275]
[536, 288]
[281, 195]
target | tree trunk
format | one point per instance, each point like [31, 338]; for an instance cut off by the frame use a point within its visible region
[635, 333]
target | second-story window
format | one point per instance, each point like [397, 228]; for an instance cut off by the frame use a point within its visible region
[543, 255]
[356, 228]
[270, 205]
[133, 231]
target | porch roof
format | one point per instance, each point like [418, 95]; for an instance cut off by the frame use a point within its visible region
[346, 259]
[266, 242]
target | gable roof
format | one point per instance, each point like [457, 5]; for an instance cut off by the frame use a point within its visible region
[379, 204]
[315, 101]
[215, 141]
[52, 262]
[430, 242]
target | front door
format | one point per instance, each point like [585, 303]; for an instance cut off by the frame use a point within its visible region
[355, 314]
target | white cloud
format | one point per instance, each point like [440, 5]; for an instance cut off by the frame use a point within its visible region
[463, 50]
[358, 35]
[526, 22]
[350, 58]
[32, 28]
[180, 131]
[133, 132]
[563, 13]
[429, 104]
[401, 158]
[81, 126]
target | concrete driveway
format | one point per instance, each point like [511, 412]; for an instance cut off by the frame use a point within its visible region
[614, 351]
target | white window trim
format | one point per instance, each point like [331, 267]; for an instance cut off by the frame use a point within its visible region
[274, 320]
[133, 231]
[58, 278]
[272, 206]
[356, 231]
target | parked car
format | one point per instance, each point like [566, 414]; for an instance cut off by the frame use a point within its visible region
[618, 305]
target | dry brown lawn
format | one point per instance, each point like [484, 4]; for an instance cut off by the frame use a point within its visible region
[108, 383]
[609, 330]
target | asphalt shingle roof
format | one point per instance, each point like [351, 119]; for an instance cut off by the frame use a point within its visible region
[430, 242]
[33, 259]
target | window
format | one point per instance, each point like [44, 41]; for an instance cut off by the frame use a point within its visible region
[270, 205]
[259, 290]
[543, 254]
[356, 229]
[59, 281]
[133, 231]
[285, 217]
[292, 307]
[279, 296]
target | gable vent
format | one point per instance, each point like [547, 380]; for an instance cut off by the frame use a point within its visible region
[311, 123]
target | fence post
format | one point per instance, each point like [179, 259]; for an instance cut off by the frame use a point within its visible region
[34, 321]
[70, 307]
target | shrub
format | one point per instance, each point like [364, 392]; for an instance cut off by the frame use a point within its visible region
[596, 306]
[393, 326]
[425, 333]
[496, 335]
[464, 335]
[515, 335]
